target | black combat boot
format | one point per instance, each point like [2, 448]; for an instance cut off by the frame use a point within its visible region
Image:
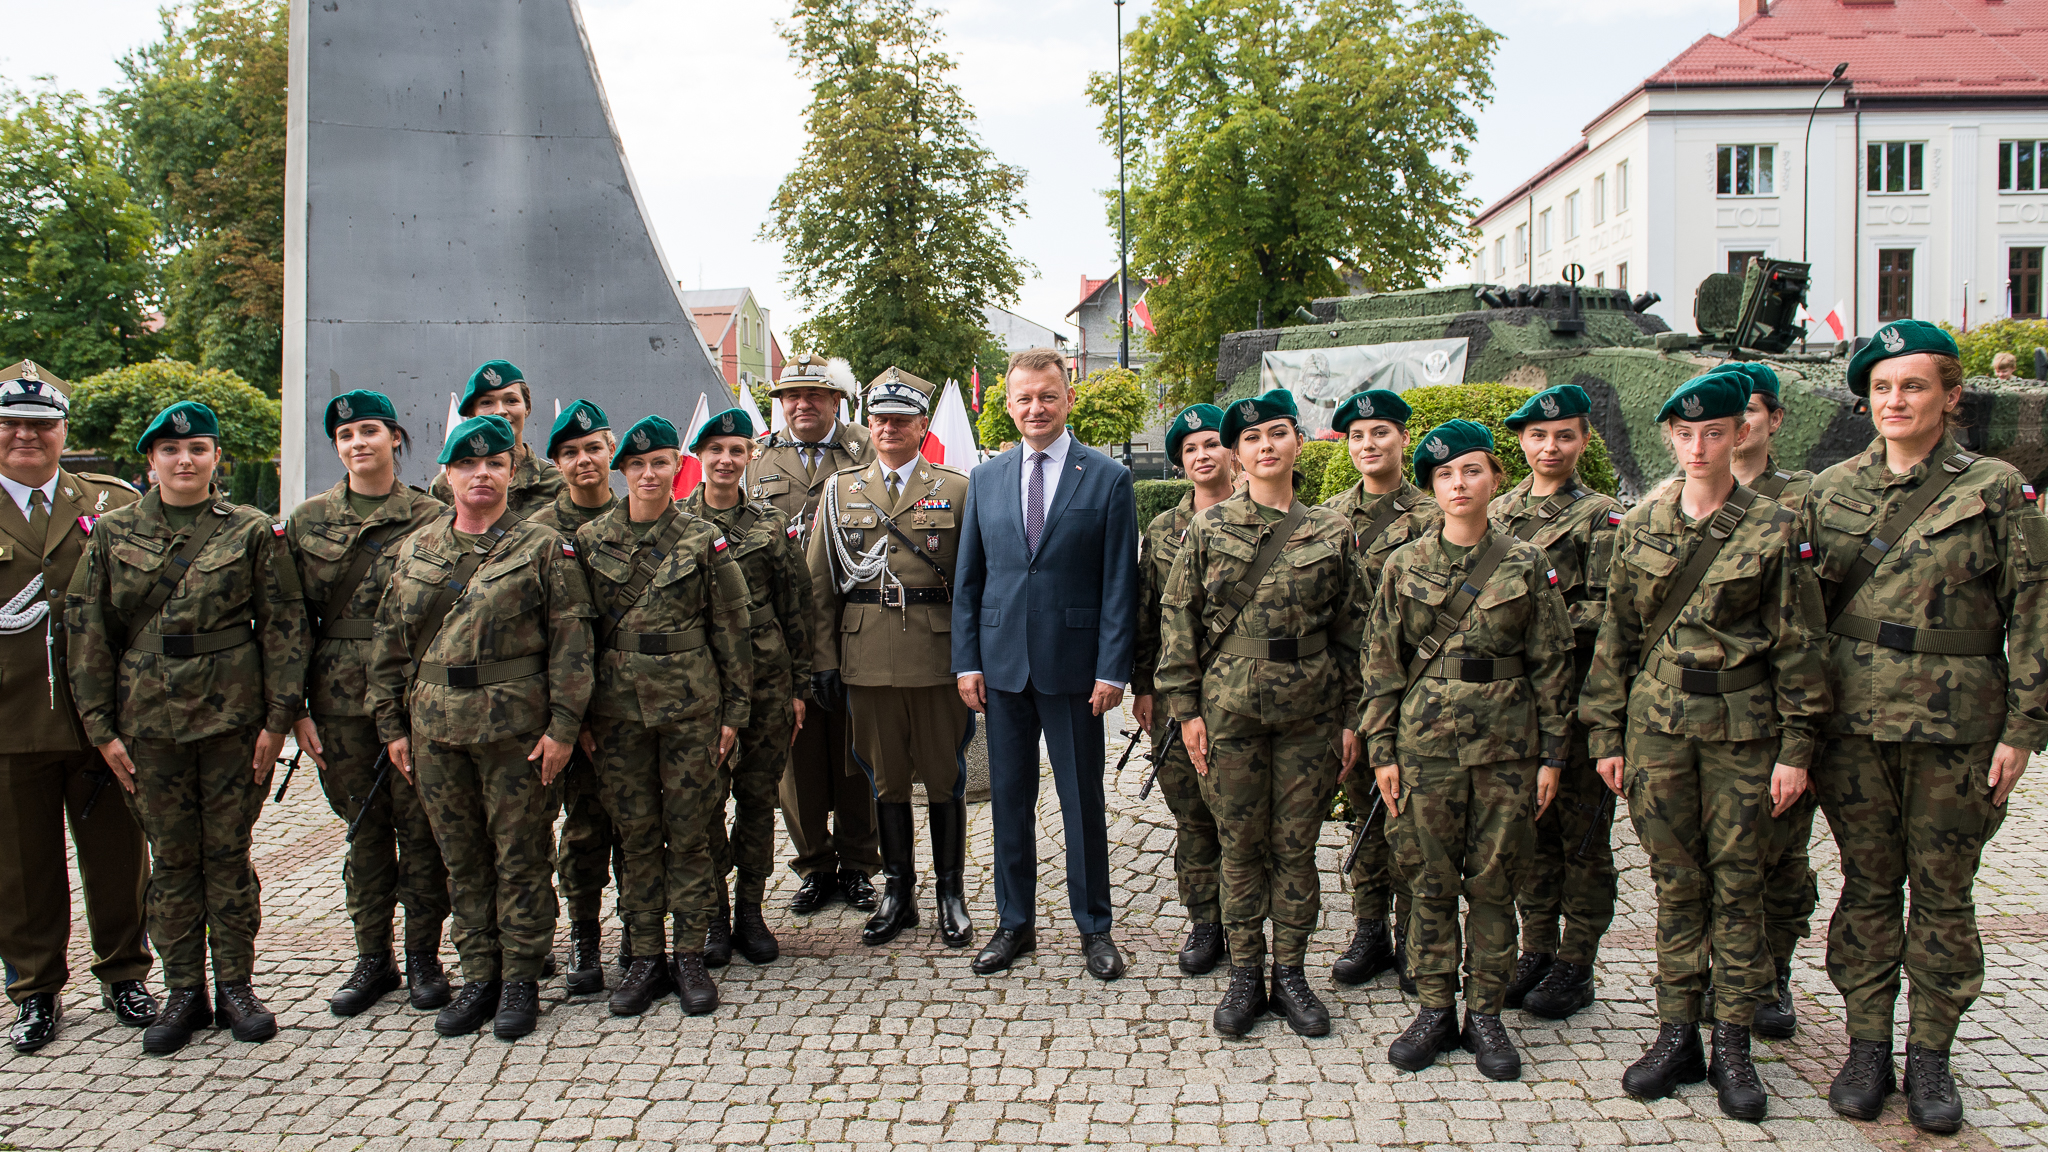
[1293, 999]
[1486, 1038]
[694, 985]
[236, 1008]
[897, 909]
[750, 935]
[1565, 989]
[646, 980]
[1931, 1101]
[1733, 1075]
[586, 963]
[475, 1002]
[375, 975]
[518, 1009]
[1371, 953]
[426, 984]
[1866, 1078]
[718, 937]
[1433, 1031]
[185, 1011]
[1203, 950]
[1402, 976]
[1675, 1057]
[1243, 1002]
[949, 871]
[1778, 1020]
[1530, 969]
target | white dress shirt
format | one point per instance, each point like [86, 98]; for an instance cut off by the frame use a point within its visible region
[20, 492]
[1055, 462]
[903, 474]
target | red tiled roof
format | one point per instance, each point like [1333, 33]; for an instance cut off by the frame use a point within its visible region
[1526, 186]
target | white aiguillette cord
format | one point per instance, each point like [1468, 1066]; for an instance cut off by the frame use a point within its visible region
[25, 611]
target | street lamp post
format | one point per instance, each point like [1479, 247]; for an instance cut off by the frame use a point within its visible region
[1123, 216]
[1806, 158]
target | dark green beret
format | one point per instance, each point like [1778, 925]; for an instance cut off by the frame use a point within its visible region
[1445, 443]
[1560, 403]
[362, 404]
[650, 433]
[1193, 418]
[577, 421]
[185, 418]
[1710, 396]
[1371, 404]
[731, 422]
[478, 436]
[489, 376]
[1756, 377]
[1274, 405]
[1898, 338]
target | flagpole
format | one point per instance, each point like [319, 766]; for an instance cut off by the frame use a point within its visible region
[1123, 217]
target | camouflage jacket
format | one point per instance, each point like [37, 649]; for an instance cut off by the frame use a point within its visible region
[1798, 483]
[1579, 541]
[244, 576]
[1975, 560]
[322, 535]
[1759, 601]
[1518, 613]
[566, 516]
[535, 482]
[1156, 551]
[698, 585]
[779, 606]
[527, 598]
[1313, 587]
[1358, 507]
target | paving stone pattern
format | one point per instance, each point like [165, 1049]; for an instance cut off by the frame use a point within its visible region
[837, 1046]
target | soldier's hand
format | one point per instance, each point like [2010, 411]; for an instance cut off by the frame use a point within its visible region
[268, 745]
[799, 706]
[1546, 787]
[115, 754]
[827, 689]
[309, 741]
[400, 751]
[1141, 711]
[1787, 785]
[588, 743]
[2008, 764]
[973, 689]
[727, 737]
[1349, 755]
[553, 756]
[1388, 777]
[1194, 736]
[1609, 768]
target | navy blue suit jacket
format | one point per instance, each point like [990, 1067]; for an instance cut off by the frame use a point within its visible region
[1066, 616]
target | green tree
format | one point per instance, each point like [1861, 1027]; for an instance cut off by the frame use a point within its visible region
[78, 261]
[893, 222]
[993, 426]
[1278, 146]
[110, 410]
[204, 109]
[1109, 407]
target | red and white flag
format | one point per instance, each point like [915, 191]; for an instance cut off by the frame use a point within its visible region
[691, 471]
[1833, 321]
[1144, 316]
[951, 439]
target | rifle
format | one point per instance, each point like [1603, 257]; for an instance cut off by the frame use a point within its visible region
[1605, 817]
[1158, 755]
[1379, 801]
[1128, 749]
[287, 781]
[98, 786]
[376, 786]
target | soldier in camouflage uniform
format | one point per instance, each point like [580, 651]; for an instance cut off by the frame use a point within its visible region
[1571, 873]
[1454, 741]
[1194, 442]
[1939, 656]
[779, 607]
[481, 672]
[344, 542]
[497, 388]
[1385, 511]
[674, 674]
[1265, 704]
[1707, 729]
[188, 684]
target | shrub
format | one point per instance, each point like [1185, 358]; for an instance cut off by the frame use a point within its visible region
[994, 426]
[2019, 337]
[1109, 407]
[1487, 404]
[1156, 496]
[110, 410]
[1314, 464]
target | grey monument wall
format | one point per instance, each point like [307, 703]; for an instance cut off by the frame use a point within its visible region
[456, 191]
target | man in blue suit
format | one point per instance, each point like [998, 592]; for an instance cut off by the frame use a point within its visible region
[1044, 622]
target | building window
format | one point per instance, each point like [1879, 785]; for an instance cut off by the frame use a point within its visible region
[1894, 284]
[1746, 170]
[2023, 166]
[1600, 199]
[1738, 262]
[1895, 166]
[1571, 216]
[1599, 279]
[2023, 272]
[1500, 255]
[1521, 245]
[1621, 188]
[1621, 277]
[1543, 230]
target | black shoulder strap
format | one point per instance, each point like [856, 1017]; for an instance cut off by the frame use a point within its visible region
[1895, 526]
[1720, 526]
[1241, 593]
[644, 567]
[1451, 616]
[366, 549]
[1547, 511]
[916, 550]
[458, 582]
[160, 593]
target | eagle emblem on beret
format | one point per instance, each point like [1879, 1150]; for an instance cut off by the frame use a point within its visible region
[343, 410]
[1194, 420]
[1364, 407]
[181, 422]
[640, 440]
[1692, 407]
[1549, 405]
[583, 418]
[1437, 448]
[1893, 342]
[1248, 411]
[725, 422]
[477, 445]
[492, 379]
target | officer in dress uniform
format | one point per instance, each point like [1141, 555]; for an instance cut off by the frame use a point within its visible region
[49, 773]
[498, 388]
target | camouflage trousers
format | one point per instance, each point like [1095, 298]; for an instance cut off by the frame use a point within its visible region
[494, 821]
[1791, 888]
[664, 792]
[197, 801]
[753, 775]
[394, 860]
[1269, 786]
[1464, 831]
[1197, 849]
[1900, 812]
[588, 847]
[1702, 810]
[1564, 881]
[1375, 880]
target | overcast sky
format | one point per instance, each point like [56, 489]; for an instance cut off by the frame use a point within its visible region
[712, 112]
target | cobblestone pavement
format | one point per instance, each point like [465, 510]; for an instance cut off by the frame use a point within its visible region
[841, 1046]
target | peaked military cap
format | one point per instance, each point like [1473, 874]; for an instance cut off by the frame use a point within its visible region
[731, 422]
[1445, 443]
[489, 376]
[812, 370]
[1249, 413]
[651, 433]
[1756, 377]
[898, 393]
[29, 393]
[577, 421]
[1560, 403]
[1193, 418]
[1371, 404]
[1709, 396]
[1898, 338]
[180, 420]
[361, 404]
[478, 436]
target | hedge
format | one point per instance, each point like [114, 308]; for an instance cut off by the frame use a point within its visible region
[1488, 404]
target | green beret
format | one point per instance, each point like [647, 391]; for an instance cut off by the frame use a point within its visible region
[1445, 443]
[577, 421]
[650, 433]
[1756, 377]
[489, 376]
[1709, 396]
[1560, 403]
[1371, 404]
[478, 436]
[185, 418]
[1193, 418]
[362, 404]
[1898, 338]
[731, 422]
[1274, 405]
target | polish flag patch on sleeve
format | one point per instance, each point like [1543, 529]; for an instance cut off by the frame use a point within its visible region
[1552, 574]
[2027, 490]
[277, 529]
[792, 529]
[1805, 550]
[718, 545]
[1613, 517]
[568, 549]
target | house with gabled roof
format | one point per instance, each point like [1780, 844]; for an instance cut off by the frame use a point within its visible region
[737, 333]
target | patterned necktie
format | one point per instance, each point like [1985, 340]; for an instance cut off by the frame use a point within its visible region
[1034, 504]
[38, 514]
